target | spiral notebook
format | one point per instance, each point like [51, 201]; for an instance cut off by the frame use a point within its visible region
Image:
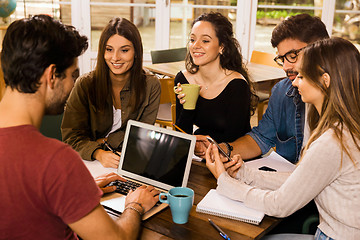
[218, 205]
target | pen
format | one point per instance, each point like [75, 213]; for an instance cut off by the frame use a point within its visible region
[179, 128]
[222, 233]
[110, 148]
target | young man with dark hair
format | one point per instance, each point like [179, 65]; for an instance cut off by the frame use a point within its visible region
[46, 190]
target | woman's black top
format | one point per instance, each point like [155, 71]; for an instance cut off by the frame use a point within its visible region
[224, 118]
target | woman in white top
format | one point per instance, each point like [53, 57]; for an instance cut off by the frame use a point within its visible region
[329, 170]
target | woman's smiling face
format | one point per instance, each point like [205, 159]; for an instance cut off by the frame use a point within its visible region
[204, 45]
[119, 55]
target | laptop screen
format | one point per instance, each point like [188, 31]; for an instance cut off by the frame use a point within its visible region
[156, 156]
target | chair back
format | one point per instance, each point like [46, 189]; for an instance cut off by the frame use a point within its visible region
[168, 55]
[167, 108]
[263, 92]
[51, 126]
[167, 91]
[264, 58]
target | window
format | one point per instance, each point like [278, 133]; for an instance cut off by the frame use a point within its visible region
[347, 21]
[166, 23]
[270, 13]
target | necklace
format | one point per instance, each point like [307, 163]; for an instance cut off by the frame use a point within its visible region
[207, 86]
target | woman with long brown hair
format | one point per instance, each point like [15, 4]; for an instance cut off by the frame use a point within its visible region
[103, 100]
[329, 170]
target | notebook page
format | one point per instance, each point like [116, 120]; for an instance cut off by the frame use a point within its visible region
[218, 205]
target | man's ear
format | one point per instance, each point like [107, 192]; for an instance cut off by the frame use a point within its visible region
[50, 76]
[326, 78]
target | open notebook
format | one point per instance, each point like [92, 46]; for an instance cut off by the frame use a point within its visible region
[218, 205]
[154, 156]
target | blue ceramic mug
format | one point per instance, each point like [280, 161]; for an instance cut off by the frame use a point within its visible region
[180, 200]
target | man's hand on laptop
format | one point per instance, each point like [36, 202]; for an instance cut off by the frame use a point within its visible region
[146, 196]
[105, 179]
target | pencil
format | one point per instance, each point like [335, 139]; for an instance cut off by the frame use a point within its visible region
[179, 128]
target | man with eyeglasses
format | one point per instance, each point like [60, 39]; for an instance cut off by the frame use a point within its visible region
[282, 125]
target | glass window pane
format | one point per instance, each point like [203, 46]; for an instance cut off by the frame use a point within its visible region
[182, 17]
[143, 17]
[35, 7]
[347, 21]
[199, 11]
[65, 13]
[270, 13]
[180, 21]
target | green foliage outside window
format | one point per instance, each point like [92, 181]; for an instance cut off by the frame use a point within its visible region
[278, 14]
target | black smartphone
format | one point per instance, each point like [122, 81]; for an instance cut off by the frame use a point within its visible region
[265, 168]
[220, 149]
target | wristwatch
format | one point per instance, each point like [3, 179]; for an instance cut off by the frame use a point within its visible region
[229, 148]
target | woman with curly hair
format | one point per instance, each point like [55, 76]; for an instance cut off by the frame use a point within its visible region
[227, 99]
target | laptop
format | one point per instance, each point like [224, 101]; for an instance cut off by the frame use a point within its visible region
[155, 156]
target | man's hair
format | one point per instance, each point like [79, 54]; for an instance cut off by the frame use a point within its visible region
[302, 27]
[31, 45]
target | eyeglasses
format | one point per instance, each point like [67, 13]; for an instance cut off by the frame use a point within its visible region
[290, 56]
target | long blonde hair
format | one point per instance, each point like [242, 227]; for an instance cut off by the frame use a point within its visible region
[341, 107]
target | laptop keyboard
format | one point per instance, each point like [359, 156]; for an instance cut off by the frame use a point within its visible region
[124, 187]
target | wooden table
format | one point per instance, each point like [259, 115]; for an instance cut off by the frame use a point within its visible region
[161, 226]
[260, 74]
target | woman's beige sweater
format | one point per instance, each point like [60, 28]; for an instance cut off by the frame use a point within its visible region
[321, 175]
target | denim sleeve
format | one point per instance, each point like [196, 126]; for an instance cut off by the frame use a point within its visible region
[265, 133]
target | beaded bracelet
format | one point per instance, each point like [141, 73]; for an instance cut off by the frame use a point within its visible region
[130, 207]
[142, 208]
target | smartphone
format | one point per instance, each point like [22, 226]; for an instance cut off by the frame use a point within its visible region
[265, 168]
[220, 149]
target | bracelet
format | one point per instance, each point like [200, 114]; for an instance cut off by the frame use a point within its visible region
[229, 148]
[142, 208]
[130, 207]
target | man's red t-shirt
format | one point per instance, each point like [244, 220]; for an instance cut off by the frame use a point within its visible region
[44, 185]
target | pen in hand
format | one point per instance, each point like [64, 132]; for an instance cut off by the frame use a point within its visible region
[221, 232]
[110, 148]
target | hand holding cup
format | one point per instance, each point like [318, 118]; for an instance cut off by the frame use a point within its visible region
[191, 94]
